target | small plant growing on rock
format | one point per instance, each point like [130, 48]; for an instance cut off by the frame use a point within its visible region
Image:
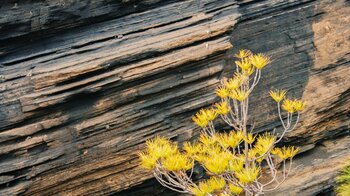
[343, 182]
[237, 162]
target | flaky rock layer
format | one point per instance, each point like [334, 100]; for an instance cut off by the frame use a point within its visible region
[84, 83]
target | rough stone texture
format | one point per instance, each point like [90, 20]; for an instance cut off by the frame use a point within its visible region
[84, 83]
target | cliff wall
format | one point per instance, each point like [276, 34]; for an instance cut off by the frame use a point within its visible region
[84, 83]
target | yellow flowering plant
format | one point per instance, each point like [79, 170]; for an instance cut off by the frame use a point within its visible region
[235, 162]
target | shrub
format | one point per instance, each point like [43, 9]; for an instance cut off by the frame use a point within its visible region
[235, 162]
[343, 182]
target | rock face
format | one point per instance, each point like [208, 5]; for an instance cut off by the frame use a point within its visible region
[85, 83]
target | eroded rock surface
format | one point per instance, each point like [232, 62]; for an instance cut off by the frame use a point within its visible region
[85, 83]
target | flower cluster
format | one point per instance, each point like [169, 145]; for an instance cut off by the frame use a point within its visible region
[208, 186]
[231, 88]
[162, 152]
[285, 152]
[234, 161]
[204, 116]
[288, 105]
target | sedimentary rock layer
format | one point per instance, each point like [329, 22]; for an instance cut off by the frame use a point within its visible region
[85, 83]
[77, 106]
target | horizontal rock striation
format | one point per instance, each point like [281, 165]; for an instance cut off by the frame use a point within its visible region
[76, 107]
[84, 83]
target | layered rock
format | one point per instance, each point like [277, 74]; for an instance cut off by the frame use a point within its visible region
[85, 83]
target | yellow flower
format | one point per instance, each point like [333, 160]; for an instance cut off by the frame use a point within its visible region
[200, 157]
[228, 140]
[197, 192]
[250, 71]
[276, 151]
[208, 186]
[158, 141]
[206, 140]
[160, 147]
[233, 139]
[202, 122]
[222, 108]
[235, 165]
[237, 137]
[240, 134]
[279, 153]
[250, 138]
[298, 105]
[248, 175]
[288, 105]
[290, 151]
[243, 54]
[216, 183]
[217, 163]
[239, 94]
[232, 84]
[285, 152]
[222, 92]
[211, 114]
[203, 117]
[192, 150]
[251, 154]
[244, 64]
[156, 148]
[242, 94]
[278, 95]
[241, 78]
[205, 187]
[222, 139]
[148, 161]
[260, 60]
[214, 149]
[264, 143]
[236, 190]
[177, 162]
